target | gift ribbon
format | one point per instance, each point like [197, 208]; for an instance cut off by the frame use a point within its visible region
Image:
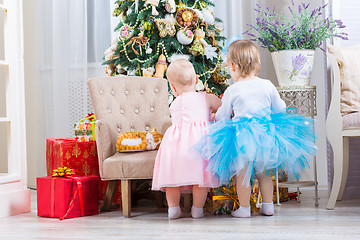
[92, 119]
[79, 190]
[229, 196]
[72, 202]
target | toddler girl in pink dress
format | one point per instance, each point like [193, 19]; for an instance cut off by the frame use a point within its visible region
[177, 167]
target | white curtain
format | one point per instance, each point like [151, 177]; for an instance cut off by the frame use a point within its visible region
[72, 37]
[232, 14]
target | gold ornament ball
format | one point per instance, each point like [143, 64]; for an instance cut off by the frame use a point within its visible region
[187, 16]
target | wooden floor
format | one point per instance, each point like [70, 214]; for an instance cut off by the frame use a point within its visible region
[291, 221]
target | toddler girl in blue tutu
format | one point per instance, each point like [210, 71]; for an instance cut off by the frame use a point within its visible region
[253, 134]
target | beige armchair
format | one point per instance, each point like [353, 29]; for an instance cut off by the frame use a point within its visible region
[343, 120]
[123, 104]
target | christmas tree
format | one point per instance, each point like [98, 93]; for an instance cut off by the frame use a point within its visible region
[155, 32]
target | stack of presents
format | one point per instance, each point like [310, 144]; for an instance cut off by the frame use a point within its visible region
[73, 188]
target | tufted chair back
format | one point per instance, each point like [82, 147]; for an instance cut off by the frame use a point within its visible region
[123, 104]
[130, 103]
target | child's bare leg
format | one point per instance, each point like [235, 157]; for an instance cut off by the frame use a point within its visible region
[199, 199]
[243, 192]
[173, 199]
[267, 191]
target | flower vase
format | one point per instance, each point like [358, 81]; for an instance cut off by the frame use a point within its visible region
[293, 67]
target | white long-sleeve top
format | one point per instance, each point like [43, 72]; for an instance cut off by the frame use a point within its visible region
[246, 98]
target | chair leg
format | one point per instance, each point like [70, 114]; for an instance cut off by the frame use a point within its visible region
[126, 197]
[187, 202]
[345, 167]
[338, 171]
[110, 192]
[159, 198]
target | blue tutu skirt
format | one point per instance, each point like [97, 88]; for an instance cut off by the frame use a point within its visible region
[259, 144]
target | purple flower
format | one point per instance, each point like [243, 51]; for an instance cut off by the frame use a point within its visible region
[312, 13]
[339, 24]
[298, 63]
[299, 8]
[291, 10]
[292, 2]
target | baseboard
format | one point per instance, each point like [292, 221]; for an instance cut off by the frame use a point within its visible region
[15, 202]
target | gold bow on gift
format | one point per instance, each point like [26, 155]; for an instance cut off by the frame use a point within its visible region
[63, 172]
[229, 196]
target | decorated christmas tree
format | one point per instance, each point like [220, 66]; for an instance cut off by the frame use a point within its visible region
[152, 33]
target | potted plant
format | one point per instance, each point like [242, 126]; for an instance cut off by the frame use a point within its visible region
[292, 40]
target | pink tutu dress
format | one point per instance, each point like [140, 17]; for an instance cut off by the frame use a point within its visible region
[177, 164]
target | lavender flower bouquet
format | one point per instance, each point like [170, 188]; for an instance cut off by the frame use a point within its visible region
[305, 29]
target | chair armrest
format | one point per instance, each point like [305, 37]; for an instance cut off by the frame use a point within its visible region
[166, 124]
[105, 145]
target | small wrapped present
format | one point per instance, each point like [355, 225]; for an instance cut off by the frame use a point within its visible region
[85, 131]
[82, 156]
[223, 200]
[67, 197]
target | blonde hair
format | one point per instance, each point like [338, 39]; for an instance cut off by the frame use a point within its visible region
[245, 55]
[181, 73]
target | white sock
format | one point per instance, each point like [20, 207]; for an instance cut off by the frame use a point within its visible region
[242, 212]
[174, 212]
[197, 212]
[267, 209]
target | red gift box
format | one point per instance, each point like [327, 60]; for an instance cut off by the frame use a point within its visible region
[67, 197]
[81, 156]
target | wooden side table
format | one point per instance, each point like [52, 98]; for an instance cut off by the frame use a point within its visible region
[299, 100]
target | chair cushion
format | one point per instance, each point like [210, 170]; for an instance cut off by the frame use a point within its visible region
[351, 120]
[130, 165]
[348, 59]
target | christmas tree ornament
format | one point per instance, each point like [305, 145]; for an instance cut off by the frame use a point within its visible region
[148, 72]
[136, 6]
[217, 77]
[181, 5]
[160, 67]
[126, 32]
[166, 27]
[199, 43]
[187, 17]
[154, 4]
[140, 40]
[147, 26]
[199, 86]
[170, 6]
[148, 49]
[185, 36]
[200, 15]
[210, 52]
[110, 70]
[208, 16]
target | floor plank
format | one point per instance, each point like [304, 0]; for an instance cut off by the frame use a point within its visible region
[292, 220]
